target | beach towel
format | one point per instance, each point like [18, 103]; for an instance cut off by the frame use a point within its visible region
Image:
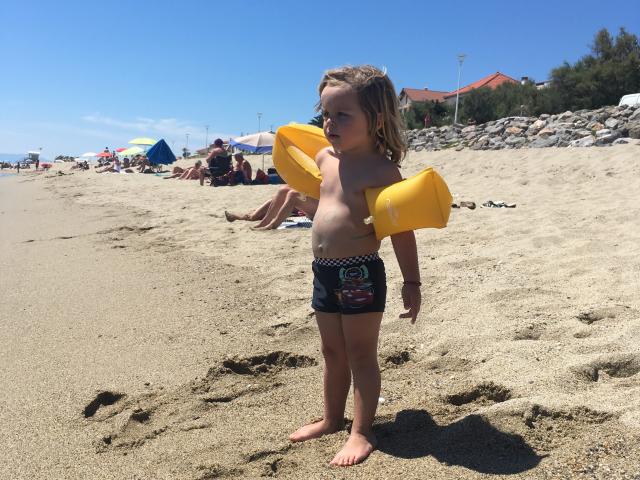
[296, 222]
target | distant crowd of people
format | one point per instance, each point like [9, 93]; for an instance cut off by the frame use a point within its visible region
[220, 168]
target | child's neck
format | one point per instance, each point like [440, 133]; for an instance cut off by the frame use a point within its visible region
[365, 151]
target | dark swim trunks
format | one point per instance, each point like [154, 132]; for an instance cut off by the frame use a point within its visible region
[349, 285]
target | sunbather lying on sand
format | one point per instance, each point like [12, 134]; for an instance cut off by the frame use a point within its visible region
[274, 211]
[191, 173]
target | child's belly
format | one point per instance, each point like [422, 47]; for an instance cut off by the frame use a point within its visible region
[339, 231]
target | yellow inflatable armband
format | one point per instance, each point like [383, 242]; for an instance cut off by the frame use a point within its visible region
[294, 156]
[422, 201]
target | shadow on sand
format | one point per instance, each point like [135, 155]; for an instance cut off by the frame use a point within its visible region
[471, 442]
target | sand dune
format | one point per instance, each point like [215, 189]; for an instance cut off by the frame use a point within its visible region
[179, 345]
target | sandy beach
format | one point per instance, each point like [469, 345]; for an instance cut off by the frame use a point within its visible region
[145, 337]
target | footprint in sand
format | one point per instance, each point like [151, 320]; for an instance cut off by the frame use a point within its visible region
[532, 331]
[271, 461]
[268, 363]
[483, 393]
[397, 358]
[616, 366]
[135, 420]
[209, 472]
[277, 329]
[599, 314]
[133, 428]
[547, 419]
[126, 228]
[102, 399]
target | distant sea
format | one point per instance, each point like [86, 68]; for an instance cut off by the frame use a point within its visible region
[11, 157]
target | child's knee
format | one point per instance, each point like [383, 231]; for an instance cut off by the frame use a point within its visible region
[333, 353]
[362, 358]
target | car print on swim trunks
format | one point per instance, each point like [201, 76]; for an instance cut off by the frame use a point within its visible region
[355, 289]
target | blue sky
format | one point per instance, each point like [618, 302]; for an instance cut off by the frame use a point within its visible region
[77, 76]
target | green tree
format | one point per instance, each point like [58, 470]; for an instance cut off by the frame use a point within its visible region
[316, 121]
[600, 78]
[438, 112]
[478, 105]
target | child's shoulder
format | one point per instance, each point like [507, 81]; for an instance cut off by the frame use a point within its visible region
[383, 171]
[324, 153]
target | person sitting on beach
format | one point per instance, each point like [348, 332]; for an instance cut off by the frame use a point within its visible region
[126, 163]
[218, 163]
[242, 169]
[239, 175]
[115, 168]
[275, 210]
[145, 166]
[191, 173]
[84, 165]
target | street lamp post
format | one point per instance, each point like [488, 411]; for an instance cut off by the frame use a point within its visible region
[259, 117]
[461, 57]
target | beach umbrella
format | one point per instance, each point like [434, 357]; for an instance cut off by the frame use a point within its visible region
[261, 142]
[160, 154]
[103, 154]
[88, 154]
[120, 150]
[143, 141]
[130, 152]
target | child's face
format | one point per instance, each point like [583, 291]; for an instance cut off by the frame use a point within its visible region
[345, 123]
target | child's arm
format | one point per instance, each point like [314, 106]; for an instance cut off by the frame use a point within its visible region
[404, 246]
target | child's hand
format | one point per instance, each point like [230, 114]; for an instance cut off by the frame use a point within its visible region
[412, 299]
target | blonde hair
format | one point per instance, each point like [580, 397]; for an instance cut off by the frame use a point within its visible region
[377, 97]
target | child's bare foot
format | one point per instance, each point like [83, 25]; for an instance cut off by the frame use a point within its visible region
[356, 450]
[315, 430]
[230, 216]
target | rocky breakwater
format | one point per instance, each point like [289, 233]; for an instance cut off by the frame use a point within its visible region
[584, 128]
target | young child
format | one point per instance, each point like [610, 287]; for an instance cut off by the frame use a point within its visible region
[362, 123]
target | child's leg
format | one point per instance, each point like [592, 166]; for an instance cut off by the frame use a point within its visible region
[361, 341]
[337, 379]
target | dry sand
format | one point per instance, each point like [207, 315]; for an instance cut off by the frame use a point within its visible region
[143, 336]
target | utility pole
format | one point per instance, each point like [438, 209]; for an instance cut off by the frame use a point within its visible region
[259, 117]
[206, 138]
[187, 145]
[461, 58]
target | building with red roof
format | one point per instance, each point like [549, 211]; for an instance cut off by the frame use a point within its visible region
[416, 95]
[490, 81]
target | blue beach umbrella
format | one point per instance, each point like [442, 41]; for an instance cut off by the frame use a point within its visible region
[160, 154]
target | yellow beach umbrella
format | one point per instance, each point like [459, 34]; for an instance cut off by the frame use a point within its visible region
[130, 151]
[143, 141]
